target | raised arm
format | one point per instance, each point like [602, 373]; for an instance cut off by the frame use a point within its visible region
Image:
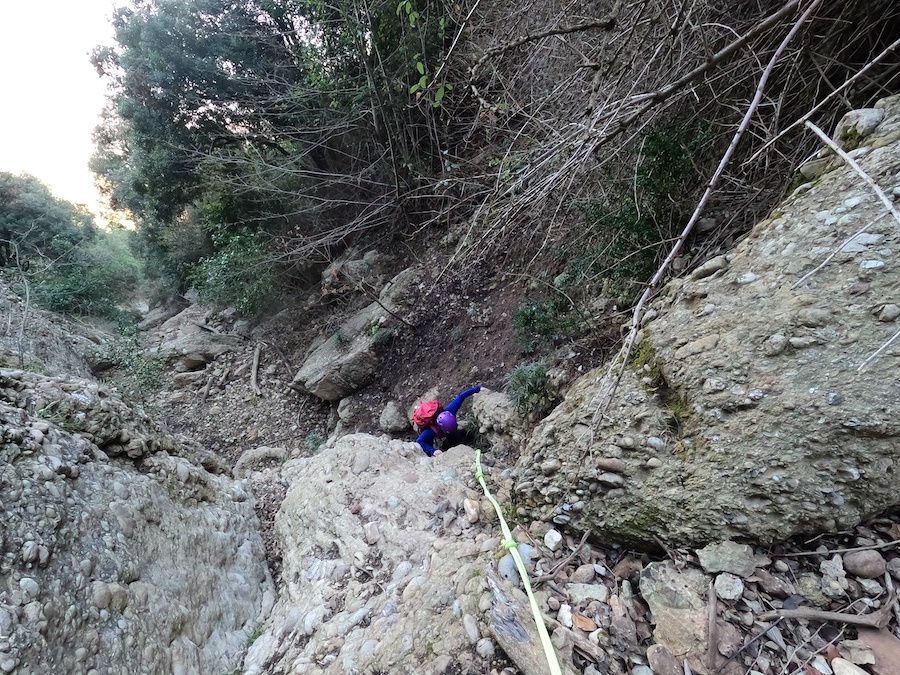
[458, 401]
[425, 439]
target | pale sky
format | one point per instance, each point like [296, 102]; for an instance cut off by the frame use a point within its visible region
[50, 94]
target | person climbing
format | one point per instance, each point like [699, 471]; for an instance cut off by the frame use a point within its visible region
[436, 422]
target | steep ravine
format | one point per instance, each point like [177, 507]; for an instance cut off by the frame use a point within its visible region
[127, 547]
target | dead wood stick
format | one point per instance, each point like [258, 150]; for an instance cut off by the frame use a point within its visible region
[712, 638]
[254, 371]
[209, 381]
[285, 362]
[873, 547]
[638, 312]
[877, 619]
[583, 645]
[606, 23]
[566, 561]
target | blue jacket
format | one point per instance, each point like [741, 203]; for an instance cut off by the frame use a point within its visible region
[428, 436]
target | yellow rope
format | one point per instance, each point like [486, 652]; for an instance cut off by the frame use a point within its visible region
[509, 543]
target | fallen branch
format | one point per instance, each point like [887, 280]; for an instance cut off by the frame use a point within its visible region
[707, 194]
[254, 371]
[209, 381]
[872, 547]
[837, 250]
[839, 151]
[878, 619]
[712, 639]
[566, 561]
[285, 362]
[878, 351]
[606, 23]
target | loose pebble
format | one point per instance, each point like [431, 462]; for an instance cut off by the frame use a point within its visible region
[552, 540]
[728, 586]
[865, 564]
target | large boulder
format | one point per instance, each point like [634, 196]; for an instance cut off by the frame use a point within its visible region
[748, 410]
[110, 566]
[43, 341]
[383, 570]
[188, 342]
[346, 361]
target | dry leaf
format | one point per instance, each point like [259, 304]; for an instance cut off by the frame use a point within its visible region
[627, 567]
[584, 623]
[886, 648]
[857, 652]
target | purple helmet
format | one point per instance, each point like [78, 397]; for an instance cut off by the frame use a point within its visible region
[446, 422]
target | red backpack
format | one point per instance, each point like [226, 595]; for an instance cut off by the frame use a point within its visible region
[426, 414]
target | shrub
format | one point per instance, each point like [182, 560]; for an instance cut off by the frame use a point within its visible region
[623, 233]
[91, 278]
[240, 273]
[546, 321]
[314, 441]
[528, 387]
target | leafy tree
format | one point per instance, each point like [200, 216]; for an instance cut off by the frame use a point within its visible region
[290, 118]
[72, 265]
[36, 222]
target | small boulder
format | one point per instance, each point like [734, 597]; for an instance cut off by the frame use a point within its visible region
[865, 564]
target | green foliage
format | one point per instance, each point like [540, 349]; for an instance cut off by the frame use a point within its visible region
[528, 387]
[287, 117]
[313, 441]
[255, 633]
[679, 411]
[38, 224]
[72, 266]
[623, 233]
[543, 321]
[239, 273]
[146, 371]
[72, 423]
[91, 278]
[648, 364]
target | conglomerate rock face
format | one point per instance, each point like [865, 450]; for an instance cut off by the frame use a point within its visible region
[109, 565]
[385, 558]
[747, 411]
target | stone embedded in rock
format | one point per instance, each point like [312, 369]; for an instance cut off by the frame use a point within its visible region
[887, 312]
[612, 480]
[775, 344]
[857, 125]
[550, 466]
[865, 564]
[616, 465]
